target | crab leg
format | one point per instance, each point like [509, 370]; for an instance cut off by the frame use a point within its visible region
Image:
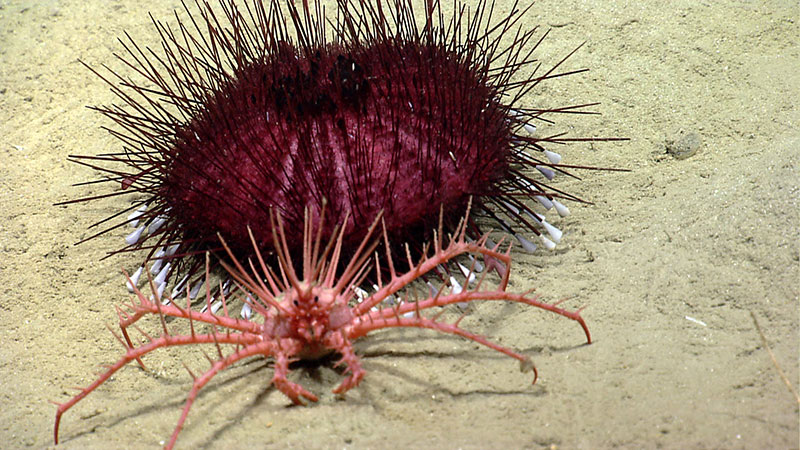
[292, 390]
[260, 348]
[423, 322]
[469, 296]
[456, 247]
[349, 358]
[135, 353]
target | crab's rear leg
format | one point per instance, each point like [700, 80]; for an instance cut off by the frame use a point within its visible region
[475, 295]
[418, 321]
[134, 353]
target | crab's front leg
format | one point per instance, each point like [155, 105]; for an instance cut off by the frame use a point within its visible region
[338, 342]
[292, 390]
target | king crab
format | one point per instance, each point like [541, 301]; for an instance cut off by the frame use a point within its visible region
[319, 312]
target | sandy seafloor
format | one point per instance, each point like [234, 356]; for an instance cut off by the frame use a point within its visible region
[712, 237]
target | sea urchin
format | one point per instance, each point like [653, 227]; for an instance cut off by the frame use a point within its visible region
[251, 108]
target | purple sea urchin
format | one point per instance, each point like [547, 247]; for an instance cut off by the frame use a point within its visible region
[253, 107]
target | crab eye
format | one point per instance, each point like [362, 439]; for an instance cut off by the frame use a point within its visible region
[296, 303]
[316, 299]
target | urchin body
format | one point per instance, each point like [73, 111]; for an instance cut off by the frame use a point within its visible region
[368, 129]
[317, 312]
[259, 108]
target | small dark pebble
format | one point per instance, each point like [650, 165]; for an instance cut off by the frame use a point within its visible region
[683, 145]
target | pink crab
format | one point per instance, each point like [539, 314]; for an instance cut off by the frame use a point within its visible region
[319, 312]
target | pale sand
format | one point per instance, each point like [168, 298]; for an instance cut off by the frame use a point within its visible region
[711, 238]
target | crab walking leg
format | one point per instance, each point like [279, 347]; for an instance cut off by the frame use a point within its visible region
[456, 245]
[133, 354]
[231, 323]
[144, 306]
[471, 296]
[429, 263]
[365, 327]
[349, 358]
[132, 312]
[260, 348]
[292, 390]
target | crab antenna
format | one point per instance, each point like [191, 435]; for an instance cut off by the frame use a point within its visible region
[315, 252]
[243, 277]
[337, 253]
[282, 249]
[307, 225]
[320, 271]
[360, 256]
[270, 276]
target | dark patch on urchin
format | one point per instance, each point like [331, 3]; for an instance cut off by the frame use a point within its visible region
[247, 115]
